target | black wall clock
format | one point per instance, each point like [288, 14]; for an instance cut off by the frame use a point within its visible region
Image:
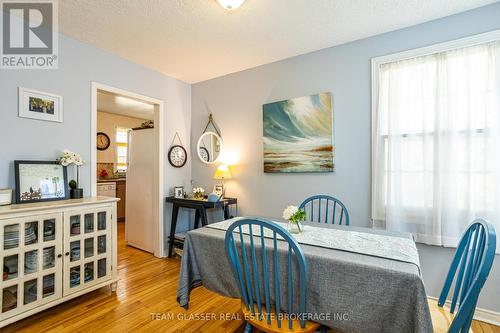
[177, 156]
[103, 141]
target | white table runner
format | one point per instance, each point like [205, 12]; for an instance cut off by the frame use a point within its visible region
[383, 246]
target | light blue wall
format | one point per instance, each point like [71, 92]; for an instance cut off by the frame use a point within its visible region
[236, 102]
[79, 64]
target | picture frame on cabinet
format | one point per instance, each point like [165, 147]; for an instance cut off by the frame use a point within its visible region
[39, 181]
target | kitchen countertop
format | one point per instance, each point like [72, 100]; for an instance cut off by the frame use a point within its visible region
[111, 180]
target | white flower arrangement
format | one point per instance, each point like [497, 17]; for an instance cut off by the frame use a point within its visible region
[294, 214]
[69, 157]
[198, 192]
[289, 211]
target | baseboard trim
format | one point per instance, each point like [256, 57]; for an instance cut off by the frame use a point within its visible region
[488, 316]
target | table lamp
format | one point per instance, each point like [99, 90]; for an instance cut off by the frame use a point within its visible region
[222, 173]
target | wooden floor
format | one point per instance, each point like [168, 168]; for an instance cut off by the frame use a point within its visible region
[147, 286]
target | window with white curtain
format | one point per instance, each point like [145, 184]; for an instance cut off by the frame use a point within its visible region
[121, 149]
[436, 142]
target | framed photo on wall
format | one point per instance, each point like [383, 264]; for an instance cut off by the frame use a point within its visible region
[38, 181]
[40, 105]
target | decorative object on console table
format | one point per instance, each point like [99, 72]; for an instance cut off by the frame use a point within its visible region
[71, 158]
[179, 191]
[40, 105]
[222, 173]
[198, 193]
[214, 197]
[219, 190]
[38, 181]
[298, 135]
[295, 217]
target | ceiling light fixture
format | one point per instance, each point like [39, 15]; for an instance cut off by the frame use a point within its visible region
[230, 4]
[132, 103]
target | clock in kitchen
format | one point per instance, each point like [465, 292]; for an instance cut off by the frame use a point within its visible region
[103, 141]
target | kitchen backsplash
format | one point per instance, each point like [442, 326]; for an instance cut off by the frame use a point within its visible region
[109, 167]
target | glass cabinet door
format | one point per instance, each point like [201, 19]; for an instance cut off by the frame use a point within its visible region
[87, 249]
[31, 268]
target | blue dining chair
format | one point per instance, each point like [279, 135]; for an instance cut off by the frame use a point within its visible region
[261, 309]
[469, 269]
[318, 208]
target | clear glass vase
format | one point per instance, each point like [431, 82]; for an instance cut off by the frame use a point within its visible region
[295, 227]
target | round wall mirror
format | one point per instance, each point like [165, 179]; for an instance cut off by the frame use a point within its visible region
[209, 147]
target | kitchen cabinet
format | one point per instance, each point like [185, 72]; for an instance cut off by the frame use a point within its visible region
[121, 193]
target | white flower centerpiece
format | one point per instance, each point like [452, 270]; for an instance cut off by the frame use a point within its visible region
[70, 158]
[295, 217]
[198, 192]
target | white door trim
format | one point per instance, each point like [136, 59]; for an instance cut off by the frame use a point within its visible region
[159, 116]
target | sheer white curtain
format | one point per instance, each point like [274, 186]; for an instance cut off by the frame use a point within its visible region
[436, 143]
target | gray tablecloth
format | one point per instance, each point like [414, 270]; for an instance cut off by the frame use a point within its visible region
[349, 292]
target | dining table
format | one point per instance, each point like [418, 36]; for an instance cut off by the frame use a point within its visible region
[359, 279]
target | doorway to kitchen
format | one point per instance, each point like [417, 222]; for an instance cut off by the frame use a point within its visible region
[127, 162]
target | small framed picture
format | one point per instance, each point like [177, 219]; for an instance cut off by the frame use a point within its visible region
[40, 105]
[219, 189]
[179, 191]
[38, 181]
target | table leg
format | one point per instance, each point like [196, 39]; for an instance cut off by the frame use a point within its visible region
[173, 224]
[196, 218]
[204, 218]
[226, 212]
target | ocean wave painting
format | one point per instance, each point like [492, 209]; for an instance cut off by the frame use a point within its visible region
[298, 135]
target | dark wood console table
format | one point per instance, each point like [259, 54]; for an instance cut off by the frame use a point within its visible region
[200, 207]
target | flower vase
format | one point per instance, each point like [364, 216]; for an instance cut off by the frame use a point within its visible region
[295, 227]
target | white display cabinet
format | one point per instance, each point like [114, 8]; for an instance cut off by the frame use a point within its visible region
[55, 251]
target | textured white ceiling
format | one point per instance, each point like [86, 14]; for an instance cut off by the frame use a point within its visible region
[195, 40]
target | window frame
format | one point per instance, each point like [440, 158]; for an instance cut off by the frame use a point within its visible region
[376, 62]
[116, 144]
